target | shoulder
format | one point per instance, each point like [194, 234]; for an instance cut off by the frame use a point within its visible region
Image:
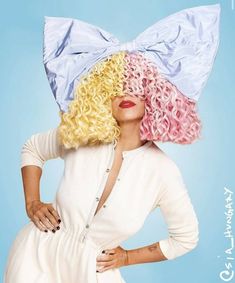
[162, 161]
[171, 178]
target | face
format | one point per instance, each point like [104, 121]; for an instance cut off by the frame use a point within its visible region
[123, 111]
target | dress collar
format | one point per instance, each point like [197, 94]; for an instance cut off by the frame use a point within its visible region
[133, 151]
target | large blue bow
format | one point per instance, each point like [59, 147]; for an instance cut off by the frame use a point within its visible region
[183, 46]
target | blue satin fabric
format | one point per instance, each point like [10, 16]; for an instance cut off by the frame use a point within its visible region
[183, 46]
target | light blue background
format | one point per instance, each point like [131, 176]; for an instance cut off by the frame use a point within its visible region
[27, 106]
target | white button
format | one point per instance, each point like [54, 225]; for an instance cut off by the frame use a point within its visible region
[118, 179]
[97, 198]
[107, 170]
[104, 205]
[87, 226]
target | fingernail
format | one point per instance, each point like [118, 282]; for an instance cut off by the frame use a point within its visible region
[97, 270]
[45, 231]
[58, 227]
[59, 220]
[103, 251]
[53, 231]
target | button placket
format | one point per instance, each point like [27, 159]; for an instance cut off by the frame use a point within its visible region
[130, 155]
[95, 205]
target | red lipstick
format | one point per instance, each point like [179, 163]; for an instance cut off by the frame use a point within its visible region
[126, 104]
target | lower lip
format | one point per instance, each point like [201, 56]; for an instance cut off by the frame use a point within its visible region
[127, 105]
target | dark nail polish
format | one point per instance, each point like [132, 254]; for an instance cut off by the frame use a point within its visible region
[97, 271]
[103, 251]
[59, 220]
[53, 231]
[45, 231]
[58, 227]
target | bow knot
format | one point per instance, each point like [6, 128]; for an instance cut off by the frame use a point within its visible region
[128, 46]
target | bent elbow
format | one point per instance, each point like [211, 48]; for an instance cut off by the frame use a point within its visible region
[30, 155]
[189, 241]
[179, 244]
[191, 244]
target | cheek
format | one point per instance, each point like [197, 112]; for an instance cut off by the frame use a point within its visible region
[114, 106]
[142, 107]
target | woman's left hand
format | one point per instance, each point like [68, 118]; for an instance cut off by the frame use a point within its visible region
[111, 258]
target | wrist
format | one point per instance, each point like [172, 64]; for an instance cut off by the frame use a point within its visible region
[133, 256]
[29, 202]
[127, 258]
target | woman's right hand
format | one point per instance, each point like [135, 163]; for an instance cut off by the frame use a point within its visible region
[43, 215]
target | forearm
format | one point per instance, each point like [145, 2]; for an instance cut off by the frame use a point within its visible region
[150, 253]
[31, 176]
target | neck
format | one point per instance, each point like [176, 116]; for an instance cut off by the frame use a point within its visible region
[130, 136]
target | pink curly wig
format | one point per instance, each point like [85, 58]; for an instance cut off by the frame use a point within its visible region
[169, 115]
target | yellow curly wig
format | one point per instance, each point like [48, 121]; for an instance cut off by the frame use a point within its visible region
[89, 119]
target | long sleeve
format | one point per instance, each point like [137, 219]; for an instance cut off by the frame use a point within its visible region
[179, 215]
[41, 147]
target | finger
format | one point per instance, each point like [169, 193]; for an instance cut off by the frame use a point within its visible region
[36, 220]
[104, 257]
[39, 225]
[44, 220]
[112, 251]
[54, 212]
[106, 267]
[104, 263]
[51, 218]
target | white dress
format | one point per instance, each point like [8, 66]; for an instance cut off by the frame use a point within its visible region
[148, 179]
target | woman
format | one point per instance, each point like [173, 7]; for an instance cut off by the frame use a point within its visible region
[114, 173]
